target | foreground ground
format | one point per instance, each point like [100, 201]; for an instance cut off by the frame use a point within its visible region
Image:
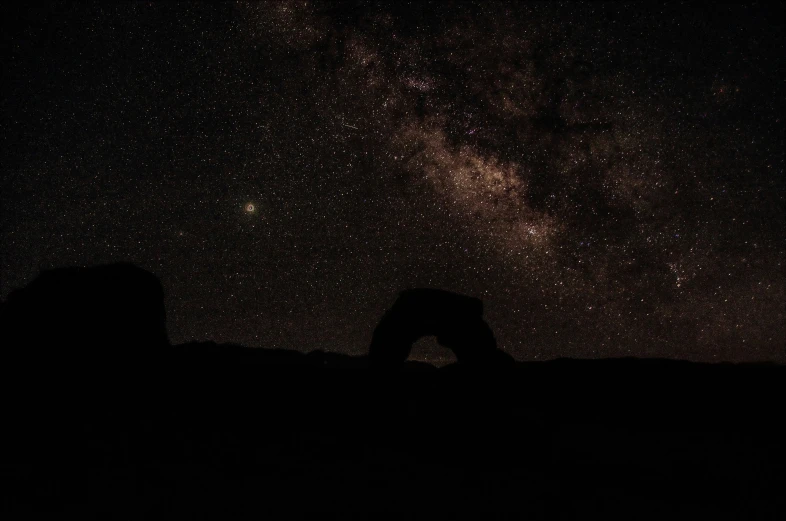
[212, 432]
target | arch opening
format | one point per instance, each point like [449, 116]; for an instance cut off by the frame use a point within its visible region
[427, 349]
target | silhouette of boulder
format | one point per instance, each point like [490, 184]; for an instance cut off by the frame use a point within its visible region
[456, 321]
[74, 318]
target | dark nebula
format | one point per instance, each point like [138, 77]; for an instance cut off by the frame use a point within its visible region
[607, 178]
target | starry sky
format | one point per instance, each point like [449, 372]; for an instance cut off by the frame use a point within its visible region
[608, 178]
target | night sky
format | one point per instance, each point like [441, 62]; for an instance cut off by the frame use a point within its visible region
[609, 179]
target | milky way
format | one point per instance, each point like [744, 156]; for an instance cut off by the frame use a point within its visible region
[608, 179]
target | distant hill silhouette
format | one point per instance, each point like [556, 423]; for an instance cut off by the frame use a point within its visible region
[103, 418]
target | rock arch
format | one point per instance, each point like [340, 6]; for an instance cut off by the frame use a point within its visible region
[455, 320]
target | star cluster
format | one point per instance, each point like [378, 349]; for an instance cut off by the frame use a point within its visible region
[607, 178]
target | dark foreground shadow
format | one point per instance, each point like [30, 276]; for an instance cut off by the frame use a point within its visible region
[103, 418]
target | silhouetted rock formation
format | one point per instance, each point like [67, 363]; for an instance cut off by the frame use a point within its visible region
[456, 320]
[107, 420]
[81, 319]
